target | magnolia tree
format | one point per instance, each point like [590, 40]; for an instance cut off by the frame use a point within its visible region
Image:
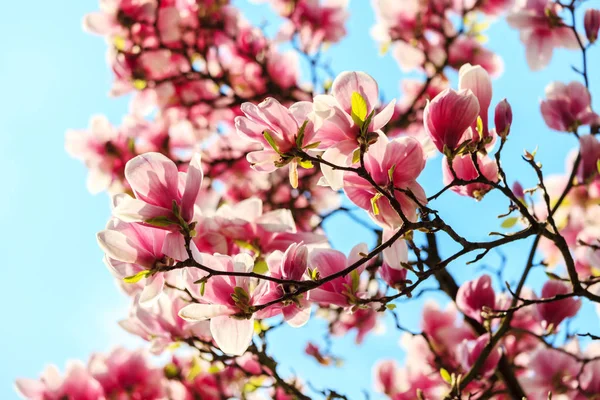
[227, 166]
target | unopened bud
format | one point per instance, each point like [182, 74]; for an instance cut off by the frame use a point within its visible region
[591, 23]
[503, 118]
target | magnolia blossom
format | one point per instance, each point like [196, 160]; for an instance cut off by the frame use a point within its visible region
[503, 118]
[290, 265]
[342, 291]
[316, 22]
[364, 320]
[395, 163]
[136, 251]
[470, 350]
[160, 323]
[550, 370]
[591, 23]
[280, 130]
[477, 80]
[566, 107]
[104, 149]
[448, 118]
[127, 374]
[474, 295]
[590, 156]
[339, 119]
[542, 30]
[464, 168]
[227, 302]
[77, 383]
[551, 314]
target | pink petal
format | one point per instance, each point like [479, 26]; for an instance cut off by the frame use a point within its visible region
[153, 177]
[153, 289]
[347, 83]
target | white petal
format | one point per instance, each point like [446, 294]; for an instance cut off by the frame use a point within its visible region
[201, 312]
[232, 335]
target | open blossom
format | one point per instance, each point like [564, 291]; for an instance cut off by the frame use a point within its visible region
[114, 14]
[290, 265]
[244, 224]
[125, 374]
[542, 30]
[397, 163]
[164, 197]
[132, 249]
[474, 295]
[364, 320]
[468, 50]
[567, 106]
[551, 314]
[339, 119]
[280, 131]
[160, 323]
[342, 291]
[448, 118]
[470, 350]
[77, 383]
[465, 169]
[104, 149]
[316, 22]
[228, 302]
[443, 329]
[550, 370]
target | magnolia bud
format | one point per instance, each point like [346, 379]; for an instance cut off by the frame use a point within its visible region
[517, 189]
[591, 22]
[503, 118]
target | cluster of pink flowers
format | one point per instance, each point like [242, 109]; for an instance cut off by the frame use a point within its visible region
[218, 203]
[450, 344]
[126, 374]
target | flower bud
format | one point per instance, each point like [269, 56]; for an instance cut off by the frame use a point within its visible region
[551, 314]
[503, 118]
[591, 22]
[470, 350]
[518, 190]
[474, 295]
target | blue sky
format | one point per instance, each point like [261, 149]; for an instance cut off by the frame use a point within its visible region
[59, 302]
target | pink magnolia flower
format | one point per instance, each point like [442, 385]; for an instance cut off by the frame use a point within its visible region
[337, 130]
[591, 23]
[395, 163]
[363, 320]
[341, 291]
[164, 197]
[550, 370]
[466, 49]
[290, 265]
[126, 374]
[160, 323]
[503, 118]
[228, 302]
[113, 13]
[477, 80]
[567, 106]
[104, 149]
[590, 155]
[542, 30]
[449, 117]
[493, 7]
[76, 384]
[245, 225]
[280, 130]
[386, 376]
[131, 249]
[392, 271]
[470, 350]
[465, 169]
[590, 378]
[317, 22]
[551, 314]
[442, 328]
[474, 295]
